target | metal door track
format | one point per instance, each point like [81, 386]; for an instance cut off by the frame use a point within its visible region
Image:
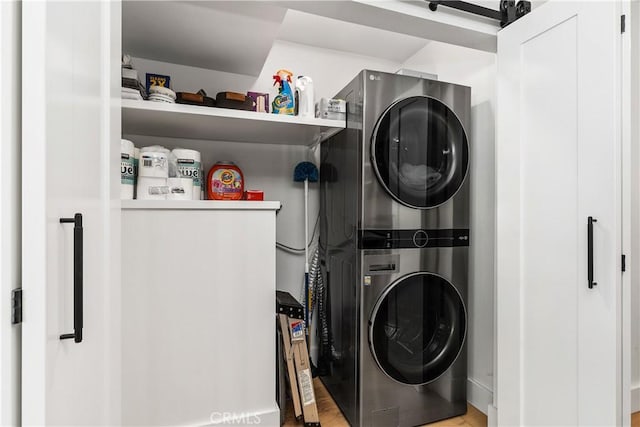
[509, 11]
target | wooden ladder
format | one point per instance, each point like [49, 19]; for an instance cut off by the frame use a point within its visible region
[299, 370]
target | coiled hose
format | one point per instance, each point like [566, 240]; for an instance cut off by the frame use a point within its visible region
[317, 291]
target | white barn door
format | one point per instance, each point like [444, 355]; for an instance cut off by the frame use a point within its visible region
[559, 350]
[70, 152]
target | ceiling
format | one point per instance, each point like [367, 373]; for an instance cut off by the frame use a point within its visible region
[237, 36]
[328, 33]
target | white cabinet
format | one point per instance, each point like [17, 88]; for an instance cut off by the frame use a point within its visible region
[198, 304]
[560, 165]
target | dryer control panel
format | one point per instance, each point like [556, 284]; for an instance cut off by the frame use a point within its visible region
[400, 239]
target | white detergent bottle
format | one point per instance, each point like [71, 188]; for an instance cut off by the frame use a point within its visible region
[306, 101]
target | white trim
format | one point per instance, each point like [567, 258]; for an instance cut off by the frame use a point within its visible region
[626, 209]
[10, 222]
[635, 398]
[34, 237]
[479, 395]
[492, 416]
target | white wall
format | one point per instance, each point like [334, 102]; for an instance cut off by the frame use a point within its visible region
[475, 69]
[10, 212]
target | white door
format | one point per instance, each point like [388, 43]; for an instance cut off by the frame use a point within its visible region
[559, 350]
[70, 122]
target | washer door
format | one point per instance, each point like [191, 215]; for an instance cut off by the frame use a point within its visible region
[420, 152]
[417, 328]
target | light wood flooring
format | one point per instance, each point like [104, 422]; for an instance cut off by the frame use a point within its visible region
[330, 415]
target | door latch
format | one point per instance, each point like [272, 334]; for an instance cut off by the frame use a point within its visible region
[16, 306]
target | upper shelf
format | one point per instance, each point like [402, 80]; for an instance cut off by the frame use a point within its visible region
[220, 124]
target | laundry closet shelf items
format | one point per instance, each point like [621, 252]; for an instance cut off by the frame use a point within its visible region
[210, 123]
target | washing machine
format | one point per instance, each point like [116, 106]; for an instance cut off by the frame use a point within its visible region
[394, 241]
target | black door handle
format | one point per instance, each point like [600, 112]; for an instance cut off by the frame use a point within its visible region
[78, 267]
[590, 222]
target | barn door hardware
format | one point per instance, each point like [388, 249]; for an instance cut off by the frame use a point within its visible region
[509, 11]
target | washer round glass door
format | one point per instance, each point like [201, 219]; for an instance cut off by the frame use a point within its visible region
[417, 328]
[420, 152]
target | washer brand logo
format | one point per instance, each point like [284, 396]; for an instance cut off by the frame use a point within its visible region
[235, 418]
[374, 77]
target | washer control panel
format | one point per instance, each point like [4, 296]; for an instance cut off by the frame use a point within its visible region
[399, 239]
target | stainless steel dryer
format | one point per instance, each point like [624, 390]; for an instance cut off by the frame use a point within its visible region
[394, 251]
[416, 151]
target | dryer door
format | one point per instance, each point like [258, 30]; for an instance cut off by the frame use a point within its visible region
[420, 152]
[417, 328]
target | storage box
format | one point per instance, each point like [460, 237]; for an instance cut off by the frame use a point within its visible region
[333, 109]
[260, 101]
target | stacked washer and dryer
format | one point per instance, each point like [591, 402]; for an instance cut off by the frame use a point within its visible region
[394, 251]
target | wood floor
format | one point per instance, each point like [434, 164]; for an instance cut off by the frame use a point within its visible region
[330, 415]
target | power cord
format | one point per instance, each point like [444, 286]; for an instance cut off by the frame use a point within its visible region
[300, 251]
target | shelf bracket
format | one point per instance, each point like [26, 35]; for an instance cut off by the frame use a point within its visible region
[509, 11]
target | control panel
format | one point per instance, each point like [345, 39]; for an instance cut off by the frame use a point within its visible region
[399, 239]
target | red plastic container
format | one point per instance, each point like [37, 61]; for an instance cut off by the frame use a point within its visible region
[256, 195]
[225, 182]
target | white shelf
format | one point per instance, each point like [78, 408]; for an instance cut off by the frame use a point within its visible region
[230, 205]
[220, 124]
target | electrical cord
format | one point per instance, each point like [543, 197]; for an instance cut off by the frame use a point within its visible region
[300, 251]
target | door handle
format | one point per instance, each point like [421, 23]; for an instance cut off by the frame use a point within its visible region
[590, 222]
[78, 267]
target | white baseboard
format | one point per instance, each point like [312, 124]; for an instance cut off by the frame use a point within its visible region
[492, 416]
[479, 395]
[635, 398]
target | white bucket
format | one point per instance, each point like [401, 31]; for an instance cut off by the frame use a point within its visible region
[189, 165]
[127, 169]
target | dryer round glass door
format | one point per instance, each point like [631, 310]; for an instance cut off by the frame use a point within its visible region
[417, 328]
[420, 152]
